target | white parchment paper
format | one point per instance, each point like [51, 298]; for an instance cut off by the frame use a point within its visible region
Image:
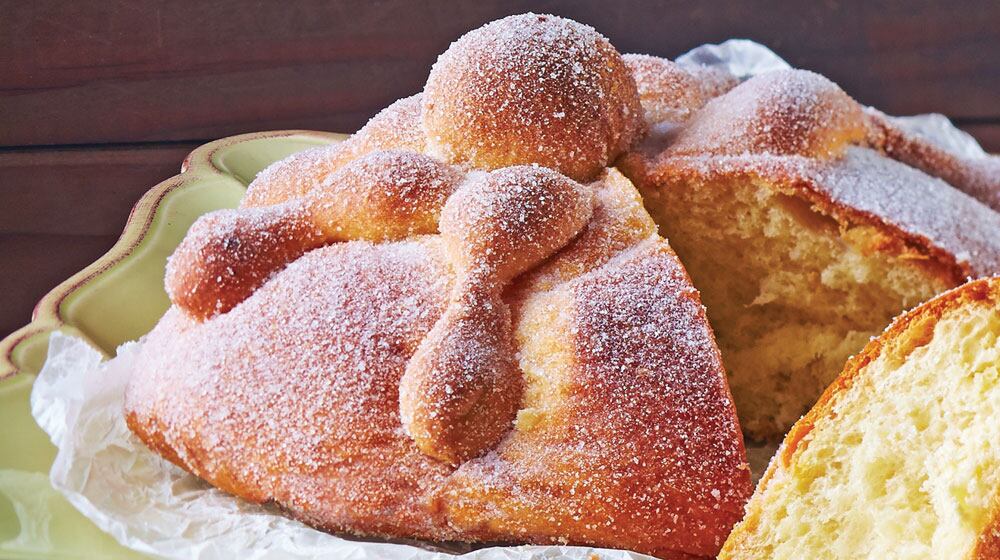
[150, 505]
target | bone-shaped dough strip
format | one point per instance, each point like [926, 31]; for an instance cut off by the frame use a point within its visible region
[462, 388]
[381, 196]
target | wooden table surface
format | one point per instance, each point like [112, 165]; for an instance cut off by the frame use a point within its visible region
[101, 100]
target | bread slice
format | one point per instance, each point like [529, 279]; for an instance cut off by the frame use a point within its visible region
[901, 456]
[803, 238]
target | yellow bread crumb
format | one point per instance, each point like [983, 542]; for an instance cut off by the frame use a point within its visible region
[789, 293]
[901, 457]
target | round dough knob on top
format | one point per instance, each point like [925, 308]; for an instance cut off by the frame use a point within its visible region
[532, 89]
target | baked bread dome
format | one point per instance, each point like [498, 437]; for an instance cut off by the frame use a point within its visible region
[532, 89]
[416, 336]
[805, 220]
[901, 456]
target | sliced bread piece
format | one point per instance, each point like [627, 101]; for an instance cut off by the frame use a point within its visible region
[901, 456]
[803, 238]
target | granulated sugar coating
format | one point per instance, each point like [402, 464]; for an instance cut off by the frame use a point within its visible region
[397, 127]
[532, 89]
[787, 112]
[668, 92]
[951, 222]
[801, 132]
[930, 219]
[639, 442]
[293, 395]
[979, 177]
[462, 389]
[384, 195]
[230, 253]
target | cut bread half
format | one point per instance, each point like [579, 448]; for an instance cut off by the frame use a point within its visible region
[900, 458]
[803, 240]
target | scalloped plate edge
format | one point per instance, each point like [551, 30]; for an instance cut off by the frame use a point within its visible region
[47, 315]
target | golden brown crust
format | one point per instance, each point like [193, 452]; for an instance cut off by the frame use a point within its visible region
[375, 185]
[397, 127]
[532, 89]
[372, 388]
[979, 177]
[988, 545]
[898, 341]
[265, 403]
[641, 403]
[785, 112]
[667, 91]
[381, 196]
[228, 254]
[947, 233]
[797, 131]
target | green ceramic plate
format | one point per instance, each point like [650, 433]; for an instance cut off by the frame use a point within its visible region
[118, 298]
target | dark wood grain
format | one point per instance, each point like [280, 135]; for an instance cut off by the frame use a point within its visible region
[62, 209]
[80, 191]
[88, 72]
[33, 264]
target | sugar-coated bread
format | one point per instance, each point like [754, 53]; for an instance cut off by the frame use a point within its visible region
[532, 89]
[900, 458]
[622, 432]
[669, 92]
[456, 326]
[380, 196]
[397, 127]
[461, 324]
[462, 387]
[977, 177]
[785, 112]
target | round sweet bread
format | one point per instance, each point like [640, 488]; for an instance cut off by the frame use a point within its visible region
[456, 325]
[532, 89]
[461, 324]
